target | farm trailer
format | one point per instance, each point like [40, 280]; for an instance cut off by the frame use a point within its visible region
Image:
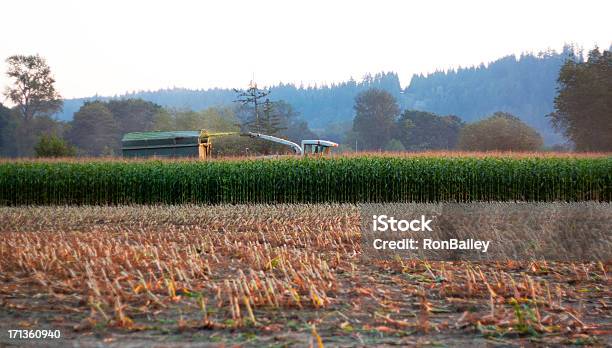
[196, 144]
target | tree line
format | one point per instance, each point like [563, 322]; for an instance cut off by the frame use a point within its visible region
[521, 85]
[379, 125]
[97, 127]
[582, 112]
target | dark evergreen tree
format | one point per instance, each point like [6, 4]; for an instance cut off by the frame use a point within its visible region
[94, 130]
[420, 130]
[583, 106]
[133, 115]
[375, 114]
[270, 121]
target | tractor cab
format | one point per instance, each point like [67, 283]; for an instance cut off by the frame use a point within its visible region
[317, 147]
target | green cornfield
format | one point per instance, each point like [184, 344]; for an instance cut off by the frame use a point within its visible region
[308, 180]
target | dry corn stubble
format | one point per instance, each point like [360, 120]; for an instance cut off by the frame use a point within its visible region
[235, 266]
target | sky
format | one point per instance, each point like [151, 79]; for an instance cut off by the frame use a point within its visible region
[109, 47]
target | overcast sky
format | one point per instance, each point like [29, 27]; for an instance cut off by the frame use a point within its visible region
[109, 47]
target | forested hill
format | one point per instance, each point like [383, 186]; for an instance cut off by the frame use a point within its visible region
[524, 86]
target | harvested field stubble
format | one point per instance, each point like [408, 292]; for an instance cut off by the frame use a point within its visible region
[282, 268]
